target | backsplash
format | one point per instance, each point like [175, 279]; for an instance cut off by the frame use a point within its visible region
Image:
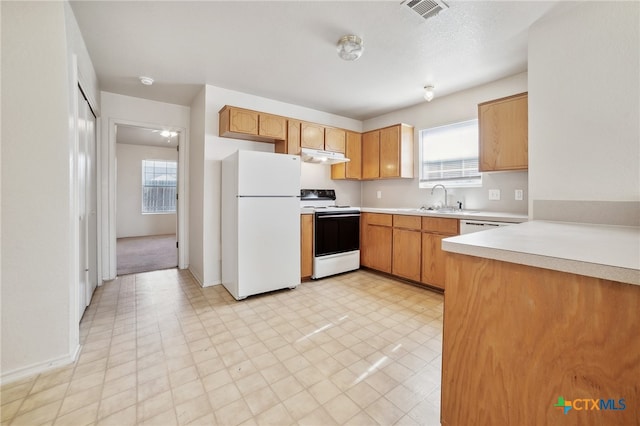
[404, 193]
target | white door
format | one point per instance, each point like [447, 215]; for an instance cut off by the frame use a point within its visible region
[83, 266]
[92, 204]
[87, 204]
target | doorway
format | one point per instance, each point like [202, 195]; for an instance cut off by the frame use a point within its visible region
[146, 199]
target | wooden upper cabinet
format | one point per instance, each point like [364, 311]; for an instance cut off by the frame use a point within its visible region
[238, 121]
[503, 133]
[272, 126]
[312, 135]
[246, 124]
[291, 145]
[371, 155]
[353, 151]
[388, 153]
[334, 139]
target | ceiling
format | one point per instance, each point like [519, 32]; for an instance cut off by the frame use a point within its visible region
[134, 135]
[286, 50]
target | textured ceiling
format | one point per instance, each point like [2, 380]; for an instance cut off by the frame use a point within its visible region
[286, 50]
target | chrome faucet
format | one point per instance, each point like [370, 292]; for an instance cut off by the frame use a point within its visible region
[445, 193]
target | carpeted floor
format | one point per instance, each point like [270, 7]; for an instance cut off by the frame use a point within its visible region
[143, 254]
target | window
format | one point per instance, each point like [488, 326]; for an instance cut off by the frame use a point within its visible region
[449, 155]
[159, 186]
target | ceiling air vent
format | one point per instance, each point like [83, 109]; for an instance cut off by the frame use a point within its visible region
[426, 8]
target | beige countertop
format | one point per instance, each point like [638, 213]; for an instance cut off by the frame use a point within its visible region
[459, 214]
[601, 251]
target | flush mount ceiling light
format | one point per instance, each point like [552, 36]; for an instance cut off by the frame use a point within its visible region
[428, 93]
[168, 134]
[350, 47]
[147, 81]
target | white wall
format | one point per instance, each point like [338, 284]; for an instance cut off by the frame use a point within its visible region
[196, 187]
[120, 109]
[39, 283]
[584, 116]
[216, 148]
[130, 222]
[454, 108]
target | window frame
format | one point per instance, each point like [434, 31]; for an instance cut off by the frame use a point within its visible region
[144, 185]
[461, 182]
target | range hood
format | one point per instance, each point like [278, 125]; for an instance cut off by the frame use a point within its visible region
[318, 156]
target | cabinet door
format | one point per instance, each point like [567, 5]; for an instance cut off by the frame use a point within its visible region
[312, 136]
[243, 121]
[433, 260]
[293, 137]
[371, 155]
[503, 134]
[390, 152]
[375, 241]
[407, 253]
[334, 139]
[377, 252]
[306, 245]
[272, 126]
[353, 151]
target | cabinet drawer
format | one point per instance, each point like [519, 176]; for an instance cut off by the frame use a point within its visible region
[440, 225]
[379, 219]
[407, 222]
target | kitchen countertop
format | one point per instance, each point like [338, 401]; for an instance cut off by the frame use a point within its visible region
[600, 251]
[460, 214]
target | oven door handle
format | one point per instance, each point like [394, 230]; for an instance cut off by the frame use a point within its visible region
[336, 215]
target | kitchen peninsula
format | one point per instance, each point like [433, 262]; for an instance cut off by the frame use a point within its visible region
[540, 313]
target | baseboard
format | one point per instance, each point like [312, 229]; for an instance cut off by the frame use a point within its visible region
[200, 280]
[38, 368]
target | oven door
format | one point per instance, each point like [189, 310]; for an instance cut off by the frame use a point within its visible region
[336, 232]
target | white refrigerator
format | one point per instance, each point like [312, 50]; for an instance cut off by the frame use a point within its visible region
[260, 222]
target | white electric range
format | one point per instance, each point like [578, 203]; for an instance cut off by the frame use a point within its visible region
[336, 233]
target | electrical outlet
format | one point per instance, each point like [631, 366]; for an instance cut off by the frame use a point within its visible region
[494, 194]
[518, 195]
[379, 194]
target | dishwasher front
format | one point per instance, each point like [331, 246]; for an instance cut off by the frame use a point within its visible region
[468, 226]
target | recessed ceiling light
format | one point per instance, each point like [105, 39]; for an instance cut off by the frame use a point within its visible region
[147, 81]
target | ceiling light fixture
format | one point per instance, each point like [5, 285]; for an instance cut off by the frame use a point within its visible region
[428, 93]
[350, 47]
[147, 81]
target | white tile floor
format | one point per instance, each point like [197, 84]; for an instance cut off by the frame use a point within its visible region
[158, 349]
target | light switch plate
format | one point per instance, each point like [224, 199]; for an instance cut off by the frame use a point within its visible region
[379, 194]
[494, 194]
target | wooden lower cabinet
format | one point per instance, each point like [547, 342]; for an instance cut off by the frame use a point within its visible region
[407, 246]
[306, 245]
[406, 254]
[434, 230]
[517, 338]
[433, 260]
[376, 241]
